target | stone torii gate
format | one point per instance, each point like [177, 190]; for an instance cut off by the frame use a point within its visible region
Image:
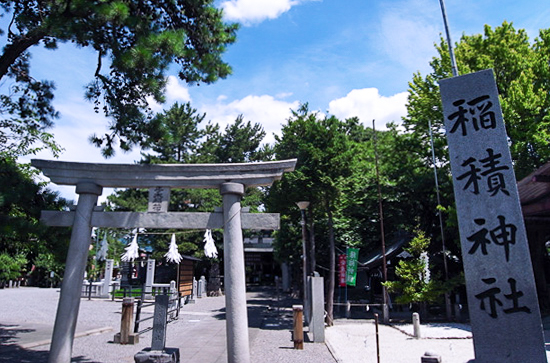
[90, 179]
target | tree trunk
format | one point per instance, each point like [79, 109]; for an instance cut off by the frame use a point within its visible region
[332, 270]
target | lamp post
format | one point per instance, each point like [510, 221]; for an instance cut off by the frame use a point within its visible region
[303, 206]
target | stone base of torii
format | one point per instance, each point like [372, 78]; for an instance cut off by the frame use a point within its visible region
[90, 179]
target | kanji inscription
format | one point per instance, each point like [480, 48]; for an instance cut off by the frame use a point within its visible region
[502, 299]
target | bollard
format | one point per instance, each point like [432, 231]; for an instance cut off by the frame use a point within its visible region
[126, 336]
[348, 310]
[298, 336]
[416, 325]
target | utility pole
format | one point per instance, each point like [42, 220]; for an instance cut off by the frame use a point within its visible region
[385, 310]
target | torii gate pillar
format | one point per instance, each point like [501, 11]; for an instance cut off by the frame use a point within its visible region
[230, 179]
[234, 274]
[69, 298]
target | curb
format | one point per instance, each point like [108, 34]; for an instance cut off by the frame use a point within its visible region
[77, 335]
[332, 351]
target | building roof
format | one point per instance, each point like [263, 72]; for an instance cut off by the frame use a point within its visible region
[375, 259]
[534, 193]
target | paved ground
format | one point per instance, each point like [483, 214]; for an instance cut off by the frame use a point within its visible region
[27, 316]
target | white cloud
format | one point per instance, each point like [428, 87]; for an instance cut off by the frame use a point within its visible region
[175, 92]
[79, 121]
[368, 105]
[265, 110]
[408, 30]
[255, 11]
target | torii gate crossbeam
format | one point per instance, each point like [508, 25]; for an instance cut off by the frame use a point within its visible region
[90, 179]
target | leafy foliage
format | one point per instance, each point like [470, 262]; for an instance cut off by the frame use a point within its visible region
[522, 74]
[327, 158]
[135, 41]
[11, 267]
[21, 201]
[416, 284]
[180, 135]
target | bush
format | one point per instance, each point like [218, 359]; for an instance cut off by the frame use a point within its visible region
[11, 267]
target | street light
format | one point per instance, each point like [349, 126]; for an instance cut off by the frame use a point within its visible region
[303, 206]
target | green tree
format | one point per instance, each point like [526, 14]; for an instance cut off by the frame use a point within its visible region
[241, 142]
[174, 135]
[415, 282]
[136, 42]
[11, 267]
[21, 201]
[180, 135]
[326, 154]
[522, 74]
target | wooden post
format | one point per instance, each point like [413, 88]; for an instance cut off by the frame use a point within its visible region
[126, 335]
[126, 319]
[298, 335]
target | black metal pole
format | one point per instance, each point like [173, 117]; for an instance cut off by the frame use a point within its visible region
[454, 68]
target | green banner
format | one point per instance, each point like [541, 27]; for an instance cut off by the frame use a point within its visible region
[351, 270]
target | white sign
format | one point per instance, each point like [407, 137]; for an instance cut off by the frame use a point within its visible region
[159, 199]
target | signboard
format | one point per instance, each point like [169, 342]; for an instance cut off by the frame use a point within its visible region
[503, 305]
[342, 270]
[351, 271]
[159, 199]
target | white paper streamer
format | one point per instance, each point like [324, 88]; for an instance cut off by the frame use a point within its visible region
[426, 262]
[132, 251]
[210, 249]
[103, 249]
[173, 255]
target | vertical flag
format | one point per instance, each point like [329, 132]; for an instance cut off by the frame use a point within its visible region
[342, 270]
[351, 271]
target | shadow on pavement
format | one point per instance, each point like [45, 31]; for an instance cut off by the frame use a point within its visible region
[14, 353]
[9, 333]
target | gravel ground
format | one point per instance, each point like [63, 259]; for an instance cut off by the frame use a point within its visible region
[355, 342]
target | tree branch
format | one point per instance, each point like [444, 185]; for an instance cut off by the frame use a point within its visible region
[18, 47]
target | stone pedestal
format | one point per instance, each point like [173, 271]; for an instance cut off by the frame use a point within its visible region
[167, 355]
[430, 357]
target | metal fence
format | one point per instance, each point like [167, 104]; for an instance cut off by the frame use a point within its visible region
[174, 305]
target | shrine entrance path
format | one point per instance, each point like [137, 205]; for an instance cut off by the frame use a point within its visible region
[27, 317]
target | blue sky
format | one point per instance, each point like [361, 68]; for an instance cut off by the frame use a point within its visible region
[344, 57]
